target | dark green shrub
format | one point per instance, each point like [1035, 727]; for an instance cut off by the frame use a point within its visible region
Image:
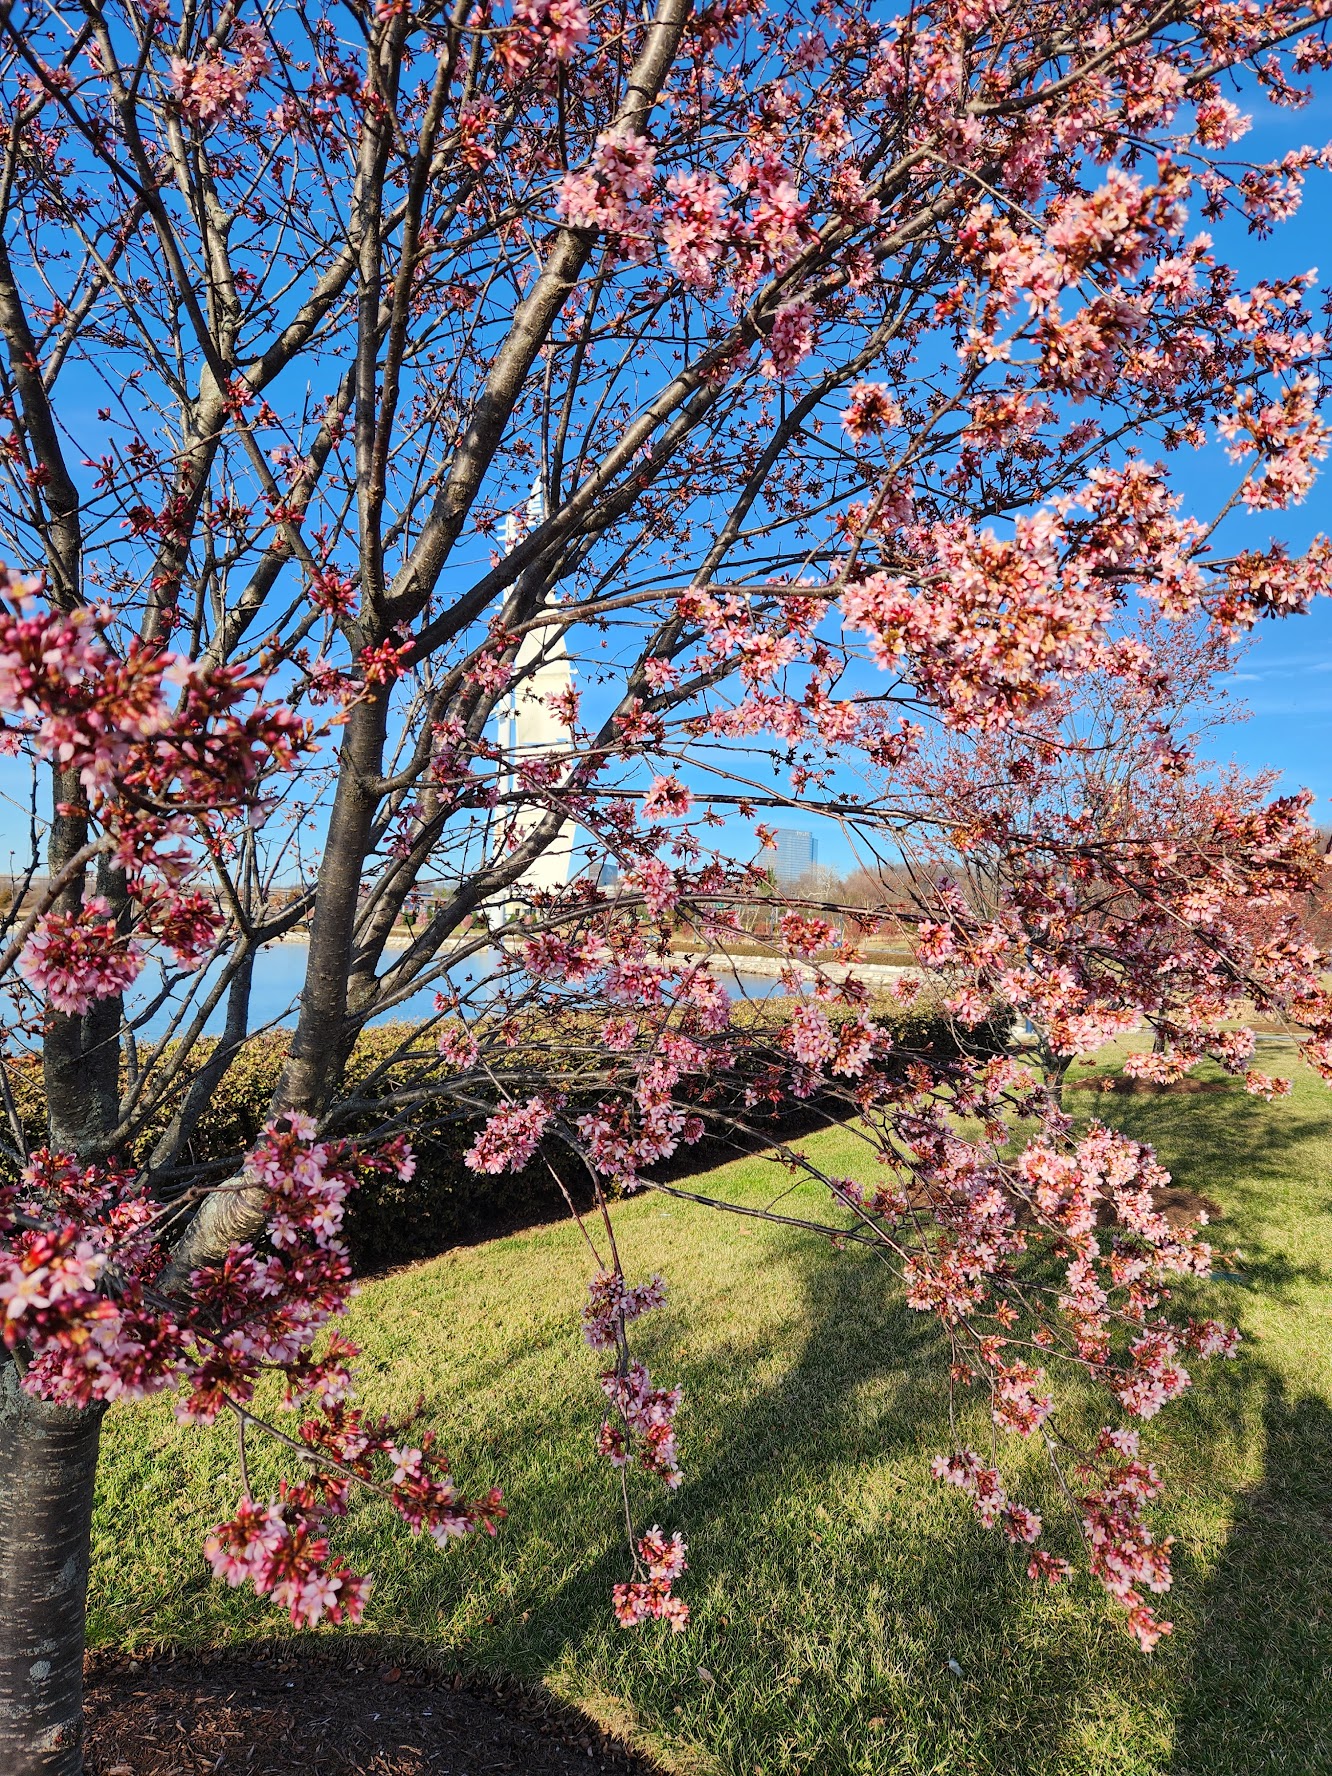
[392, 1222]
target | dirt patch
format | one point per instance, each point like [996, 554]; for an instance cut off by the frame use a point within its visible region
[1147, 1088]
[1182, 1207]
[301, 1717]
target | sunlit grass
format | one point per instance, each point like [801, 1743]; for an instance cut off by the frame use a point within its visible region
[831, 1580]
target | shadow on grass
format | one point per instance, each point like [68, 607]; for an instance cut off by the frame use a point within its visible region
[1253, 1696]
[1232, 1145]
[830, 1588]
[836, 1598]
[1258, 1696]
[830, 1591]
[865, 1386]
[890, 1601]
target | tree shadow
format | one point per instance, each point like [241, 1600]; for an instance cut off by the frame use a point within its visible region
[847, 1613]
[892, 1602]
[1231, 1145]
[866, 1385]
[1258, 1695]
[831, 1590]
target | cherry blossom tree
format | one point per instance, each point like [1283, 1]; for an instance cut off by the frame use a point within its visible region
[1090, 864]
[811, 382]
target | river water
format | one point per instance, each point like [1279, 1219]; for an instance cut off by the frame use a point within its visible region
[279, 975]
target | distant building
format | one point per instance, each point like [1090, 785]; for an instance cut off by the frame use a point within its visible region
[608, 875]
[797, 853]
[530, 726]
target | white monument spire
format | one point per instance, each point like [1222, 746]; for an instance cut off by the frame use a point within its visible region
[528, 722]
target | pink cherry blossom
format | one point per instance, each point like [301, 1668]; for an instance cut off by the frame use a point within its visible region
[870, 409]
[75, 959]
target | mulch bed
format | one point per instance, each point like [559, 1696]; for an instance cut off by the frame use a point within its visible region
[1146, 1088]
[234, 1716]
[1181, 1206]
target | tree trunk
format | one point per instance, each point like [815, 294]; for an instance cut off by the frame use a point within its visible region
[48, 1460]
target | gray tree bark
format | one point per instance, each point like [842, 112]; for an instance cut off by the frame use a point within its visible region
[48, 1463]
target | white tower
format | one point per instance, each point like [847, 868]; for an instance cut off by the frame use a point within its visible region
[529, 725]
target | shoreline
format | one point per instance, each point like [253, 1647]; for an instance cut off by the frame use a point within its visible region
[398, 941]
[873, 974]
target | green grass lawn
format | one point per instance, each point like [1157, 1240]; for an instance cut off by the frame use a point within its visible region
[831, 1580]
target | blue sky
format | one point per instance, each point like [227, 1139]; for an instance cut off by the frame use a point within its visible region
[1285, 676]
[1286, 681]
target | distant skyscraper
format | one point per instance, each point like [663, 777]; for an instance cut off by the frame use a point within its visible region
[797, 853]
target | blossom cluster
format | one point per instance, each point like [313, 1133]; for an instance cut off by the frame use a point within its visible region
[611, 1305]
[277, 1548]
[646, 1424]
[642, 1430]
[756, 220]
[651, 1598]
[83, 1291]
[75, 959]
[213, 87]
[110, 722]
[510, 1137]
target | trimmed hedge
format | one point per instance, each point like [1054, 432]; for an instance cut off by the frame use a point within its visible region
[390, 1222]
[446, 1204]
